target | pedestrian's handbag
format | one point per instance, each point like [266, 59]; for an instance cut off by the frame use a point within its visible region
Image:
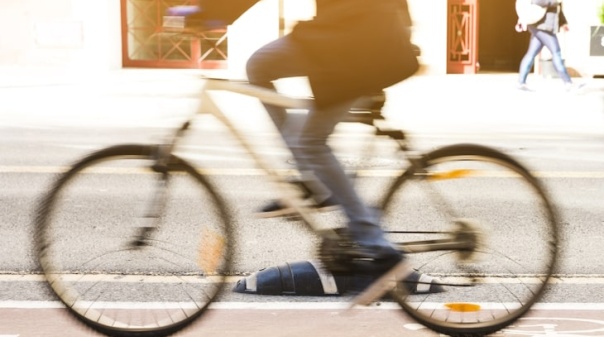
[529, 13]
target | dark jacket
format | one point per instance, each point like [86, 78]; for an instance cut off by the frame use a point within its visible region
[554, 17]
[357, 47]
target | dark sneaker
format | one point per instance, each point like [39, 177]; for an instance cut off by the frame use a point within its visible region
[277, 209]
[274, 209]
[373, 260]
[418, 283]
[342, 255]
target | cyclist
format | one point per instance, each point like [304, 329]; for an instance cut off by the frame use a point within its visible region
[349, 49]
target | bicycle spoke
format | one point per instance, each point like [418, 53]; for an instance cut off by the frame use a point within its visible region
[497, 262]
[84, 241]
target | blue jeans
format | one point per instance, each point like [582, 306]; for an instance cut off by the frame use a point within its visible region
[539, 39]
[321, 171]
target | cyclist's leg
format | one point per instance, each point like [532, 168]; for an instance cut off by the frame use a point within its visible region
[314, 154]
[278, 59]
[283, 58]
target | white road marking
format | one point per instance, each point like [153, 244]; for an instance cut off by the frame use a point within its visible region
[551, 329]
[285, 172]
[114, 278]
[289, 305]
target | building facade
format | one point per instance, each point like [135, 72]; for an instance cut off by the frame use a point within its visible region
[456, 36]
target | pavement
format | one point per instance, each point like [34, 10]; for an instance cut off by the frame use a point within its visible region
[427, 103]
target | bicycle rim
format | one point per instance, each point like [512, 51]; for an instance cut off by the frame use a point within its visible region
[85, 230]
[511, 221]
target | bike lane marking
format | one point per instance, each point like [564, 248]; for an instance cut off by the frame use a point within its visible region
[555, 326]
[236, 319]
[552, 320]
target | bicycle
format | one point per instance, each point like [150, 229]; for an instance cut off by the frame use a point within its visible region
[153, 273]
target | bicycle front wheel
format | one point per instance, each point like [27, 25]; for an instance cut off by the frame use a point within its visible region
[90, 248]
[499, 211]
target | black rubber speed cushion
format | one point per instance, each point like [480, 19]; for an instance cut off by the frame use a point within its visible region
[303, 279]
[297, 278]
[300, 279]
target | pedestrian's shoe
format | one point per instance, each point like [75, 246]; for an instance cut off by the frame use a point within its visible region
[574, 87]
[524, 87]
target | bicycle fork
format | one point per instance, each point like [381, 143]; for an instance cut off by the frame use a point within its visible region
[152, 217]
[162, 165]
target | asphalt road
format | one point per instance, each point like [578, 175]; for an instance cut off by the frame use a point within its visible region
[571, 166]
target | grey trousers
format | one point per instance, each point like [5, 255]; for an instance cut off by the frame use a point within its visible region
[322, 172]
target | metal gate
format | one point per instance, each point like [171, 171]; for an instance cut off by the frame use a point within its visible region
[145, 45]
[462, 41]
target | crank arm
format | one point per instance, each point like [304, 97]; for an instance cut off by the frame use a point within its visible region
[435, 245]
[384, 284]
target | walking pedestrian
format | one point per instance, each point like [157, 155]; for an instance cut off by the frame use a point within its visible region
[544, 34]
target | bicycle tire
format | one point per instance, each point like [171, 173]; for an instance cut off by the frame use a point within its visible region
[84, 247]
[494, 284]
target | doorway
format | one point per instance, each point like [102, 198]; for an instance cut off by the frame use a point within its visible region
[500, 47]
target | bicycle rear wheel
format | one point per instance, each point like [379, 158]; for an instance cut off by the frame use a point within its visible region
[484, 197]
[90, 249]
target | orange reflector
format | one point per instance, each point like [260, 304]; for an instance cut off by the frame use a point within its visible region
[453, 174]
[211, 250]
[463, 307]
